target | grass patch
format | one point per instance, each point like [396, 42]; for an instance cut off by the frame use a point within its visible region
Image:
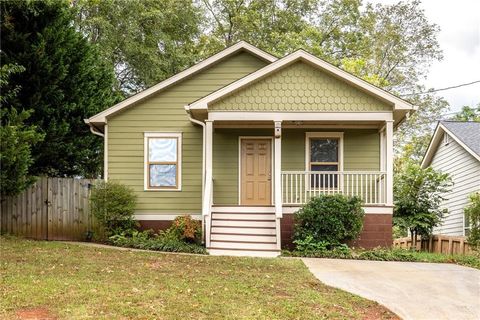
[381, 254]
[69, 281]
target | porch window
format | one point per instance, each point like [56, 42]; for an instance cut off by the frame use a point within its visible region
[162, 161]
[324, 154]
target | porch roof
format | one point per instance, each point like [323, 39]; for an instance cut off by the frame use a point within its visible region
[370, 98]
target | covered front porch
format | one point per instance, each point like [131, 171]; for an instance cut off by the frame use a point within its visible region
[259, 170]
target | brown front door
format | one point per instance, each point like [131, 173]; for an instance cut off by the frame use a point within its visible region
[256, 166]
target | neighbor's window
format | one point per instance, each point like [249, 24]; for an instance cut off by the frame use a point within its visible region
[324, 155]
[162, 163]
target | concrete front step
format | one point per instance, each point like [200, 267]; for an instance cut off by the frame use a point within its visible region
[243, 253]
[223, 244]
[243, 238]
[270, 231]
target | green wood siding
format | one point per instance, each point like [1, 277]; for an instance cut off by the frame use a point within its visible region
[361, 152]
[165, 112]
[300, 87]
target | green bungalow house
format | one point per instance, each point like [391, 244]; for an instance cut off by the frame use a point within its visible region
[243, 139]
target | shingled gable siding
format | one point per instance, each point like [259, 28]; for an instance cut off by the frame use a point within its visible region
[301, 87]
[361, 152]
[165, 113]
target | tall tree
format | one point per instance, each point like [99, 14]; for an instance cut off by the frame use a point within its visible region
[65, 81]
[16, 138]
[145, 41]
[468, 114]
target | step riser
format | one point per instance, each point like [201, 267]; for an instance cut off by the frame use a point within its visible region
[244, 209]
[243, 216]
[243, 238]
[232, 223]
[243, 253]
[236, 230]
[243, 245]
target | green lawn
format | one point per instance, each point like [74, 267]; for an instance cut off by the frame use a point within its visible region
[71, 281]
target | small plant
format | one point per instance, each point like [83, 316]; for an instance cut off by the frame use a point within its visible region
[472, 216]
[113, 205]
[418, 196]
[334, 219]
[187, 229]
[167, 241]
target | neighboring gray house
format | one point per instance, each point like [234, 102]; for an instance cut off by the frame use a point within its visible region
[455, 149]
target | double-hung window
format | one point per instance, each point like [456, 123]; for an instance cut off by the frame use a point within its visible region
[324, 153]
[163, 161]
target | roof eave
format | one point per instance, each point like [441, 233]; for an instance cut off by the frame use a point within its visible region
[238, 47]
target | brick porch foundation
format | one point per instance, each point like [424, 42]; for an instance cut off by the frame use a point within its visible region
[377, 231]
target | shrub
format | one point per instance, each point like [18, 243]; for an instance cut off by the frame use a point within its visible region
[187, 229]
[164, 241]
[113, 205]
[418, 196]
[334, 219]
[472, 216]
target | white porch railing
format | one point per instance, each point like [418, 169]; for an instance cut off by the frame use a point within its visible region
[298, 187]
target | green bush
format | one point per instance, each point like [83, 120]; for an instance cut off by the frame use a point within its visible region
[167, 241]
[334, 219]
[472, 215]
[113, 205]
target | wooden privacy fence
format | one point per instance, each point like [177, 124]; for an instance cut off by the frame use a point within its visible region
[51, 209]
[436, 244]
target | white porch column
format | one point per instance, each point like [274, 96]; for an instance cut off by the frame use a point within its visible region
[389, 160]
[278, 169]
[207, 197]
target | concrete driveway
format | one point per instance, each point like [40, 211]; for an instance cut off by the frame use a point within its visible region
[412, 290]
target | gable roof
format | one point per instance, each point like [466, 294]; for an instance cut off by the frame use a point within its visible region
[301, 55]
[100, 118]
[465, 133]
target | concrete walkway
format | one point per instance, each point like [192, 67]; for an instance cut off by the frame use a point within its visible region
[412, 290]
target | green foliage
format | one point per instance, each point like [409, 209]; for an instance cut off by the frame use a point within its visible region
[65, 80]
[468, 114]
[145, 41]
[113, 205]
[418, 195]
[187, 229]
[388, 254]
[169, 241]
[16, 138]
[321, 249]
[331, 218]
[472, 216]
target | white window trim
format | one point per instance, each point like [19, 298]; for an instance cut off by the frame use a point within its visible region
[336, 135]
[147, 135]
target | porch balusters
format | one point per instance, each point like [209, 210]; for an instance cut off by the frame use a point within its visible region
[298, 187]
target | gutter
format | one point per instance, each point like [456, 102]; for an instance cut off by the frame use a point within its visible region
[94, 129]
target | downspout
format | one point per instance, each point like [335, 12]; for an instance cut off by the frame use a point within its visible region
[202, 124]
[94, 129]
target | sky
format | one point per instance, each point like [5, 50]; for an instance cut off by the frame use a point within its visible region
[459, 39]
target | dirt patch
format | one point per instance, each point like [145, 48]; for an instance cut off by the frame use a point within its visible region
[378, 312]
[35, 314]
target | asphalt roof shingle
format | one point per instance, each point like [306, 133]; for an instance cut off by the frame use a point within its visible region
[467, 131]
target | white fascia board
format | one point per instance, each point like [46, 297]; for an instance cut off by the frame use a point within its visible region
[432, 146]
[242, 45]
[397, 102]
[436, 139]
[298, 116]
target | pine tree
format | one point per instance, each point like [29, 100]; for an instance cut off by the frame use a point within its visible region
[64, 82]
